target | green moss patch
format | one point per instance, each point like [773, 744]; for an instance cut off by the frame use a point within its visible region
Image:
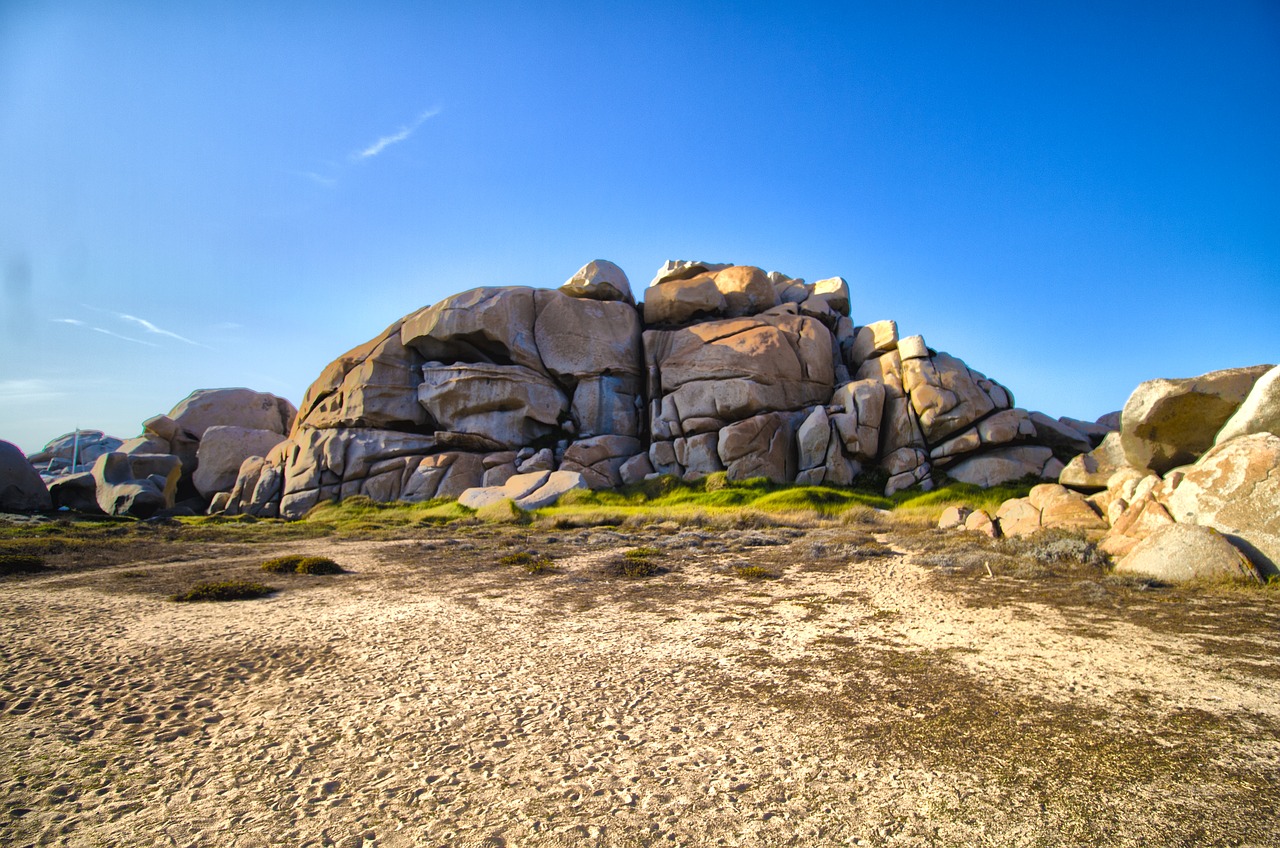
[226, 590]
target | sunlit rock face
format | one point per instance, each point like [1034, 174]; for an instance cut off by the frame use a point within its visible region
[721, 367]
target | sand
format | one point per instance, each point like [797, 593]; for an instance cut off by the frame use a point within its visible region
[866, 696]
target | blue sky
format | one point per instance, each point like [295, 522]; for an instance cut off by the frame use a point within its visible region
[1072, 197]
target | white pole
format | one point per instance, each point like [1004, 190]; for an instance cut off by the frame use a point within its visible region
[75, 450]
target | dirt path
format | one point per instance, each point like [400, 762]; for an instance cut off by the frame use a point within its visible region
[433, 698]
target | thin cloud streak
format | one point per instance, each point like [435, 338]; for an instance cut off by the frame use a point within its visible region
[126, 338]
[152, 328]
[28, 391]
[396, 137]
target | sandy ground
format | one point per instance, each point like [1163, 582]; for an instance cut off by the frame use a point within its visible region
[867, 696]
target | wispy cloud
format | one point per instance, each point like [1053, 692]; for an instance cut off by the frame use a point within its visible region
[28, 391]
[396, 137]
[76, 322]
[318, 179]
[126, 338]
[152, 328]
[128, 319]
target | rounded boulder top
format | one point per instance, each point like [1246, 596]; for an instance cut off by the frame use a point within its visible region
[600, 279]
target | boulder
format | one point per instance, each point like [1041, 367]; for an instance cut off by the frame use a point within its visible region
[953, 517]
[374, 385]
[683, 269]
[736, 368]
[675, 302]
[493, 325]
[635, 469]
[1167, 423]
[221, 453]
[835, 291]
[1063, 509]
[875, 339]
[585, 338]
[76, 492]
[600, 279]
[760, 446]
[1235, 489]
[946, 395]
[979, 522]
[1142, 517]
[1259, 413]
[1055, 434]
[557, 484]
[1018, 517]
[516, 487]
[812, 439]
[21, 489]
[139, 485]
[207, 408]
[1179, 552]
[509, 404]
[1093, 430]
[1092, 471]
[1002, 465]
[599, 459]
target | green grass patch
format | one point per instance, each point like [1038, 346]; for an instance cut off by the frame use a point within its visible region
[361, 517]
[300, 564]
[530, 562]
[754, 572]
[226, 590]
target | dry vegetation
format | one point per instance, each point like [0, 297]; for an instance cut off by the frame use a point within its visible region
[810, 672]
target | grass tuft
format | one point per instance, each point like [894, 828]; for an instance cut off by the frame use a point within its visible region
[227, 590]
[754, 572]
[300, 564]
[530, 562]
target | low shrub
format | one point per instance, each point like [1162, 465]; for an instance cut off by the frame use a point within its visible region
[227, 590]
[754, 572]
[530, 562]
[301, 564]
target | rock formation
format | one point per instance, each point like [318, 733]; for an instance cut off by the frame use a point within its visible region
[720, 368]
[1201, 452]
[188, 456]
[21, 489]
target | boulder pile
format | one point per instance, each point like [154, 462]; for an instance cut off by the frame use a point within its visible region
[1200, 452]
[720, 368]
[178, 464]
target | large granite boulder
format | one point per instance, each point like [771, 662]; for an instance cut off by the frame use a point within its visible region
[1005, 464]
[1235, 489]
[1179, 552]
[21, 489]
[207, 408]
[717, 372]
[223, 450]
[484, 325]
[1167, 423]
[1259, 413]
[730, 292]
[509, 404]
[137, 485]
[77, 492]
[373, 385]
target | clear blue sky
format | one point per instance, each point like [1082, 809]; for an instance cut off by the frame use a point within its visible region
[1072, 197]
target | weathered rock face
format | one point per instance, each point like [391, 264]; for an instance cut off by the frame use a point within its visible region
[1167, 423]
[1092, 470]
[207, 408]
[21, 489]
[1235, 489]
[222, 450]
[1260, 412]
[732, 369]
[139, 484]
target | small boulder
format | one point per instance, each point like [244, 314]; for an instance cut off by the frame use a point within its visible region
[139, 484]
[600, 279]
[1091, 471]
[953, 517]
